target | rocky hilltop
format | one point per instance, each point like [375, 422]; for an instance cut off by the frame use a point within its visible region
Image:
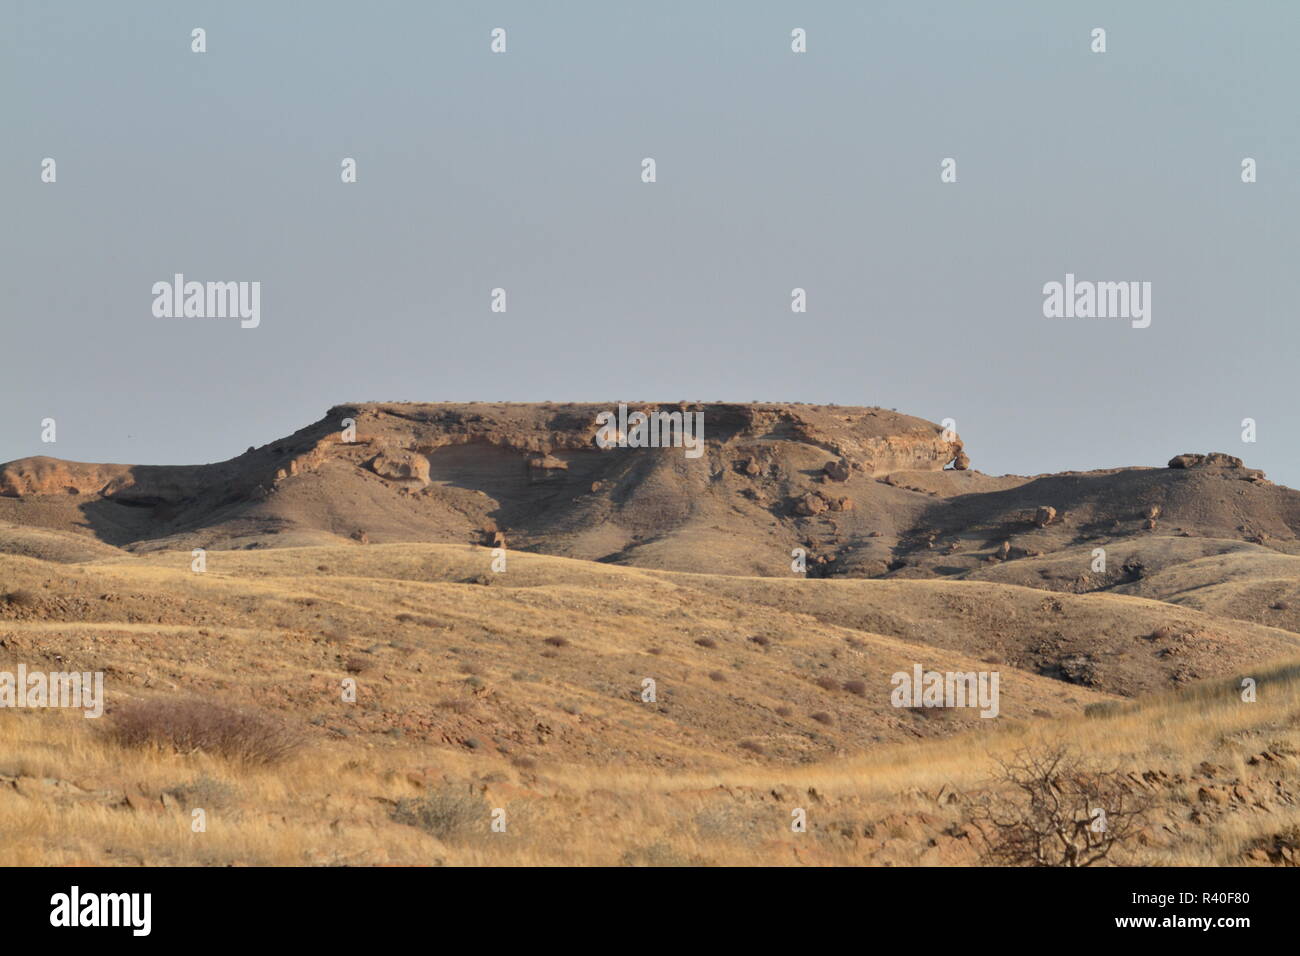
[848, 491]
[402, 441]
[479, 472]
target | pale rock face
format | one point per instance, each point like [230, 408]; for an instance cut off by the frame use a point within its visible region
[401, 465]
[52, 476]
[547, 463]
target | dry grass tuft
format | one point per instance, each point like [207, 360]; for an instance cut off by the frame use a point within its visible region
[189, 725]
[20, 597]
[449, 813]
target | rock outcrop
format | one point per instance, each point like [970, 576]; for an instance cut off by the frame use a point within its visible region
[1218, 461]
[401, 465]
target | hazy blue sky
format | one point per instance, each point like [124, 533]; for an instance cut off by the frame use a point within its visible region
[775, 170]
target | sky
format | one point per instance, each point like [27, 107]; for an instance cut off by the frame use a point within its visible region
[775, 170]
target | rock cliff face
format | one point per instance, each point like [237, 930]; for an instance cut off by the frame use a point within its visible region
[397, 441]
[874, 440]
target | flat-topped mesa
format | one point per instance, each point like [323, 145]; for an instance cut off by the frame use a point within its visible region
[877, 441]
[393, 441]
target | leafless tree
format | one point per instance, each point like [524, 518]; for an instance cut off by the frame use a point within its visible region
[1049, 806]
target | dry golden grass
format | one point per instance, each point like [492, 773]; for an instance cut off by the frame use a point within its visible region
[614, 782]
[334, 804]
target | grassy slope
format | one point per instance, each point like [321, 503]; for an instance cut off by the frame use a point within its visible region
[464, 693]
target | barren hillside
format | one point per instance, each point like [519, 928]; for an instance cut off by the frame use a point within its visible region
[500, 589]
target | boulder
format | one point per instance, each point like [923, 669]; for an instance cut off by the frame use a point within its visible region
[837, 470]
[809, 505]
